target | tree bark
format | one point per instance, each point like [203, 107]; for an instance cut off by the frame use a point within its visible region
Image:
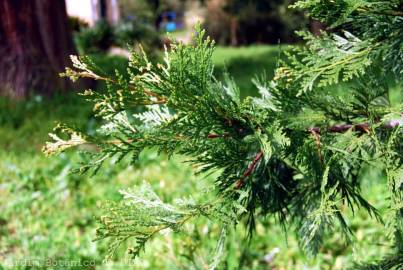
[234, 30]
[35, 44]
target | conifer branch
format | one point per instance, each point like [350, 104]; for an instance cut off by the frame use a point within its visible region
[187, 111]
[249, 170]
[363, 127]
[160, 99]
[386, 12]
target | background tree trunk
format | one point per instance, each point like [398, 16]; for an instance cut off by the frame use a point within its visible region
[234, 30]
[35, 44]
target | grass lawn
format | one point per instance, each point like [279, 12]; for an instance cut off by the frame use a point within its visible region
[245, 63]
[47, 215]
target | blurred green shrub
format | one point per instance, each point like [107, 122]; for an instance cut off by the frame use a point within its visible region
[102, 36]
[143, 9]
[127, 33]
[94, 39]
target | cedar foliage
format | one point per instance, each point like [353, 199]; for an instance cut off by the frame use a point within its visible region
[295, 152]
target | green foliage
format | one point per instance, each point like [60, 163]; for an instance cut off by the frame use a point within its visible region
[94, 39]
[156, 216]
[131, 32]
[141, 9]
[102, 36]
[327, 60]
[375, 37]
[296, 153]
[47, 212]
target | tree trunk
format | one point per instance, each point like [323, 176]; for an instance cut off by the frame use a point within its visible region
[35, 44]
[234, 30]
[112, 12]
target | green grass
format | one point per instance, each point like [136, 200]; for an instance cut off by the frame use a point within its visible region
[245, 63]
[47, 214]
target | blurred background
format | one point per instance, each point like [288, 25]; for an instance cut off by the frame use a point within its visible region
[47, 214]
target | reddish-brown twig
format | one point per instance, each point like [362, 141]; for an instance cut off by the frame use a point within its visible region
[215, 136]
[250, 169]
[316, 135]
[363, 127]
